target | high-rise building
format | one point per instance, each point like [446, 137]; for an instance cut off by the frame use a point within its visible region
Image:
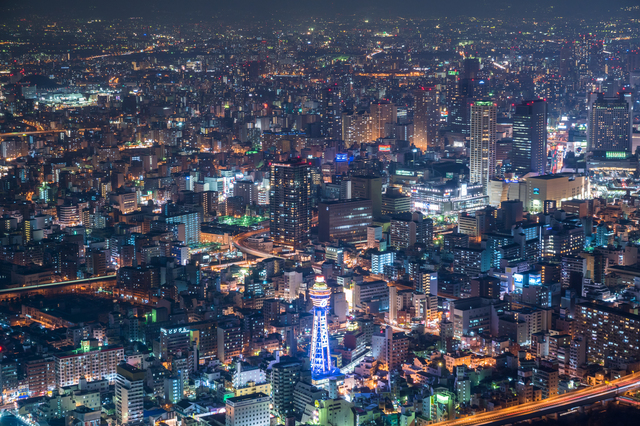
[612, 335]
[356, 128]
[87, 362]
[389, 347]
[290, 204]
[331, 113]
[369, 188]
[185, 223]
[426, 118]
[345, 220]
[129, 394]
[395, 202]
[229, 341]
[247, 190]
[410, 228]
[609, 127]
[320, 355]
[482, 150]
[529, 149]
[382, 114]
[40, 375]
[459, 100]
[284, 376]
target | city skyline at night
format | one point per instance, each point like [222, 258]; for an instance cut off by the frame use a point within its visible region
[295, 213]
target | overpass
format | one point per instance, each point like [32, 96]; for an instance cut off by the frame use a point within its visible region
[58, 287]
[556, 404]
[34, 132]
[239, 241]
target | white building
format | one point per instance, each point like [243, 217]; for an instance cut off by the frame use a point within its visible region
[482, 152]
[248, 410]
[245, 374]
[129, 397]
[380, 259]
[89, 363]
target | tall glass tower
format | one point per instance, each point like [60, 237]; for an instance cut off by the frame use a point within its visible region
[320, 354]
[290, 203]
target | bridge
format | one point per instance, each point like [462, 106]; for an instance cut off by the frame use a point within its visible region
[58, 287]
[549, 406]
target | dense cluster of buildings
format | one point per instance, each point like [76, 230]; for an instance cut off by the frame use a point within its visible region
[357, 223]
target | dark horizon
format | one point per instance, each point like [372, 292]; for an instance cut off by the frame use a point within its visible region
[201, 10]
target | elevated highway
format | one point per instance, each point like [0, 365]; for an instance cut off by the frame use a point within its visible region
[240, 242]
[552, 405]
[14, 293]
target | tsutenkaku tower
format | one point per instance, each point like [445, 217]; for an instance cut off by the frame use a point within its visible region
[320, 354]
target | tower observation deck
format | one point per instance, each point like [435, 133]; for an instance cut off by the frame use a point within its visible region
[320, 354]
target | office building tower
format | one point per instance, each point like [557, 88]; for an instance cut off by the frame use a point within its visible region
[511, 212]
[331, 113]
[248, 410]
[426, 118]
[346, 220]
[609, 127]
[290, 204]
[369, 291]
[459, 102]
[529, 149]
[129, 394]
[369, 188]
[382, 114]
[172, 340]
[482, 147]
[320, 355]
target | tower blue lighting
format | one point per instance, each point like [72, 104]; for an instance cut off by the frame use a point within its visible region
[320, 354]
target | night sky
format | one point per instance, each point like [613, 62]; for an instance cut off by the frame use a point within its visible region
[252, 9]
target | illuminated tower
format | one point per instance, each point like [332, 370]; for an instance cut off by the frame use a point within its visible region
[320, 354]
